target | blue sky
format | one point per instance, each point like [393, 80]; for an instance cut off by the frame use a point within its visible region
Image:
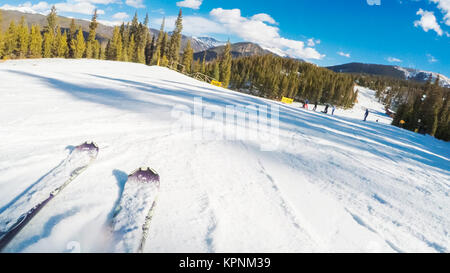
[409, 33]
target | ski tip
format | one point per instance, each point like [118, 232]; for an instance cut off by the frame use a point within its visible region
[145, 175]
[88, 146]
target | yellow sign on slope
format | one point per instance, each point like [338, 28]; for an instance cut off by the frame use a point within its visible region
[287, 100]
[216, 83]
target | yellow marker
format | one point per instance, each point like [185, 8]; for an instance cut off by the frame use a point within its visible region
[287, 100]
[216, 83]
[402, 121]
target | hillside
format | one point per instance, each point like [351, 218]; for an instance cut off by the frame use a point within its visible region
[318, 183]
[242, 49]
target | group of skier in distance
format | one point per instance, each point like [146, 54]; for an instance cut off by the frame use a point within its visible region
[333, 108]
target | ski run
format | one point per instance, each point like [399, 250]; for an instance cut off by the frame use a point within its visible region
[320, 183]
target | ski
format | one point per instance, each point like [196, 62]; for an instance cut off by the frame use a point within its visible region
[13, 219]
[131, 221]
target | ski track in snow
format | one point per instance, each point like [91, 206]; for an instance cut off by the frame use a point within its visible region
[335, 183]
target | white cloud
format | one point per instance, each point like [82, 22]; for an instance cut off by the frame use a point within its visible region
[120, 16]
[41, 7]
[343, 54]
[444, 6]
[263, 17]
[77, 6]
[102, 2]
[431, 58]
[312, 42]
[135, 3]
[259, 32]
[192, 25]
[110, 23]
[192, 4]
[428, 22]
[394, 60]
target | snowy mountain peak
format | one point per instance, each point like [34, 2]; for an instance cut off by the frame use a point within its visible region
[421, 75]
[205, 43]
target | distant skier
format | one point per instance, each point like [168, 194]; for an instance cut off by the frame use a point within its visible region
[334, 108]
[315, 106]
[366, 114]
[326, 109]
[306, 104]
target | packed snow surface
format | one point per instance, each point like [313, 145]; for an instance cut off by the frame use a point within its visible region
[318, 183]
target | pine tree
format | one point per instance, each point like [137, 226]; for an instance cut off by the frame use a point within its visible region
[47, 45]
[22, 39]
[62, 49]
[78, 45]
[71, 36]
[165, 46]
[216, 70]
[1, 44]
[131, 50]
[164, 61]
[102, 53]
[203, 67]
[188, 57]
[91, 47]
[56, 43]
[225, 66]
[149, 49]
[175, 40]
[10, 40]
[156, 58]
[35, 49]
[96, 48]
[141, 42]
[52, 21]
[114, 49]
[1, 36]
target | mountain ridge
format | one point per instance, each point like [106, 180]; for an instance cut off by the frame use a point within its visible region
[393, 71]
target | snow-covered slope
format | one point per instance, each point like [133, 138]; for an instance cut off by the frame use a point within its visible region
[333, 183]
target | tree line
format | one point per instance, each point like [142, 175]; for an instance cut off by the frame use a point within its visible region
[275, 77]
[20, 41]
